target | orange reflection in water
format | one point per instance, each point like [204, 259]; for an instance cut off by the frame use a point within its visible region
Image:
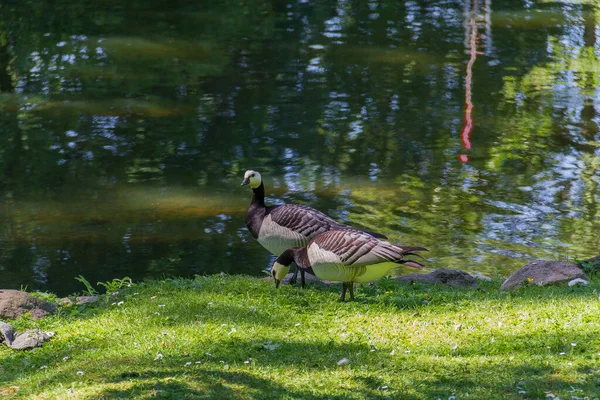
[465, 134]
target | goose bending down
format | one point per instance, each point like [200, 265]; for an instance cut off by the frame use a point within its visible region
[346, 256]
[281, 227]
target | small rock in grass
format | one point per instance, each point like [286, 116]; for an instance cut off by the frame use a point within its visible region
[86, 299]
[578, 281]
[442, 276]
[65, 302]
[7, 333]
[30, 339]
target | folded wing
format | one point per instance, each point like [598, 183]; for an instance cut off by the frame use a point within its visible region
[356, 248]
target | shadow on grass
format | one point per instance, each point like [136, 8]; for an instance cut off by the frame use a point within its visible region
[521, 381]
[207, 384]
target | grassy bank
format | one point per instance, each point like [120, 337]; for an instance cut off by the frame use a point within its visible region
[237, 337]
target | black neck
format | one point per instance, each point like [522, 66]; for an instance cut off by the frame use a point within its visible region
[287, 257]
[298, 255]
[259, 195]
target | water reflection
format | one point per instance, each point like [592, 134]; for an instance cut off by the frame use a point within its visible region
[125, 131]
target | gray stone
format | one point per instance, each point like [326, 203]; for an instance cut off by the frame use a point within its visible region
[86, 299]
[65, 302]
[14, 303]
[542, 272]
[594, 260]
[30, 339]
[452, 277]
[308, 279]
[7, 333]
[481, 276]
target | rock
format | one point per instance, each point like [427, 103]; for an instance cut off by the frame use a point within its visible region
[65, 302]
[543, 272]
[591, 264]
[481, 276]
[452, 277]
[7, 333]
[594, 260]
[26, 340]
[30, 339]
[14, 303]
[308, 279]
[86, 299]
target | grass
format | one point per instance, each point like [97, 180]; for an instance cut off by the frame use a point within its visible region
[236, 337]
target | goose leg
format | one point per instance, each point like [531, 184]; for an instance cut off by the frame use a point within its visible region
[343, 296]
[302, 281]
[351, 284]
[295, 276]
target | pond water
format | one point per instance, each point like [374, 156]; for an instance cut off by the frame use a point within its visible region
[468, 127]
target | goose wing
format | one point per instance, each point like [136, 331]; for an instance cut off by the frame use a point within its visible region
[356, 248]
[307, 221]
[302, 219]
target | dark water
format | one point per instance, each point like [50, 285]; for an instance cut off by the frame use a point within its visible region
[469, 127]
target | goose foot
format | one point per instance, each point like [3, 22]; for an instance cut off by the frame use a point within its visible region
[347, 286]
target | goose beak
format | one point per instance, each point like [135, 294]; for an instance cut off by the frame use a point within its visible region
[245, 182]
[277, 282]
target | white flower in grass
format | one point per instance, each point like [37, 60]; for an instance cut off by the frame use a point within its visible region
[573, 344]
[66, 358]
[162, 305]
[44, 367]
[233, 330]
[80, 373]
[120, 303]
[271, 346]
[343, 361]
[187, 364]
[158, 356]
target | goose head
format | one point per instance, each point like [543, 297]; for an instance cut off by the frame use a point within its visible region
[252, 178]
[281, 266]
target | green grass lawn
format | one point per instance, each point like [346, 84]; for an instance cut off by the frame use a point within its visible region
[237, 337]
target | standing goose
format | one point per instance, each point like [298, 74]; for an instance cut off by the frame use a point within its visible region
[281, 227]
[346, 256]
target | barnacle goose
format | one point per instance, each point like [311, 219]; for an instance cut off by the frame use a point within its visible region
[346, 256]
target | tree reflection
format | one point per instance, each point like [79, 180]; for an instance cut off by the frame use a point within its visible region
[133, 121]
